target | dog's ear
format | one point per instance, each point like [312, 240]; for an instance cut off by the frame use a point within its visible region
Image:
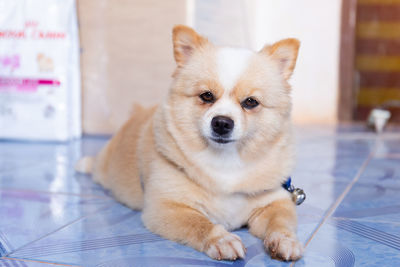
[185, 41]
[285, 52]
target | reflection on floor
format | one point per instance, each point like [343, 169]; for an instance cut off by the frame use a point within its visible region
[49, 215]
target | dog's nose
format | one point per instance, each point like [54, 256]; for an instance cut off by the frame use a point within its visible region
[222, 125]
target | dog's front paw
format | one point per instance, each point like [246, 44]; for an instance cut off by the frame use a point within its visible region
[283, 247]
[227, 246]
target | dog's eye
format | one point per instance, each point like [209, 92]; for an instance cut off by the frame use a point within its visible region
[250, 103]
[207, 97]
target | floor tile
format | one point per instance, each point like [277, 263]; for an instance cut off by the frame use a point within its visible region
[50, 177]
[325, 167]
[29, 215]
[23, 263]
[350, 243]
[376, 193]
[388, 147]
[365, 228]
[48, 166]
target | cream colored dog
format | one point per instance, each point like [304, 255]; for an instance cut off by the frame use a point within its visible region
[213, 156]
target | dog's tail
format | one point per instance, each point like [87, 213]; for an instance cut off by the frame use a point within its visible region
[85, 165]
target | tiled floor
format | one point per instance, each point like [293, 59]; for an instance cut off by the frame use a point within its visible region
[49, 215]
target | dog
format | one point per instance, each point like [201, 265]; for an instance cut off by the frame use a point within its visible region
[212, 157]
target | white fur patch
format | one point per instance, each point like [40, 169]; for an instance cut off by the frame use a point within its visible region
[231, 62]
[223, 165]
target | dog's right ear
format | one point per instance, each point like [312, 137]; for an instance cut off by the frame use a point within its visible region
[186, 41]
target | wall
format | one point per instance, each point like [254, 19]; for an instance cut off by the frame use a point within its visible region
[317, 25]
[126, 57]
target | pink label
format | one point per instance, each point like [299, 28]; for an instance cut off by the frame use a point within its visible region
[23, 84]
[11, 62]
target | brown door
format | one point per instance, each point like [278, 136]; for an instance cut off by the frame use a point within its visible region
[377, 58]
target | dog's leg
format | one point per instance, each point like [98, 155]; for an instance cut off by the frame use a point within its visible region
[276, 224]
[183, 224]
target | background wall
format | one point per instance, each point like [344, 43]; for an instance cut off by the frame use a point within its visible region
[317, 25]
[126, 57]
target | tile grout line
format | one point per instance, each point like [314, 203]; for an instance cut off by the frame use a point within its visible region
[56, 230]
[5, 242]
[105, 197]
[366, 220]
[339, 200]
[37, 261]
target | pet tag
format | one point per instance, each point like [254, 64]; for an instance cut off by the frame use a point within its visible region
[298, 196]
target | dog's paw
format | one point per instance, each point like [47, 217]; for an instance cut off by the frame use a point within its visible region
[226, 247]
[283, 247]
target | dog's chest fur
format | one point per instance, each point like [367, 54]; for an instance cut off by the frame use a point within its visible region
[232, 211]
[225, 167]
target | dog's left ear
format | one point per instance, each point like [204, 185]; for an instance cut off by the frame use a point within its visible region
[185, 41]
[285, 52]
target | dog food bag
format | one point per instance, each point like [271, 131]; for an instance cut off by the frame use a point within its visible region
[40, 95]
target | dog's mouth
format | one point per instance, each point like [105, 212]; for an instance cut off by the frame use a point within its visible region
[221, 140]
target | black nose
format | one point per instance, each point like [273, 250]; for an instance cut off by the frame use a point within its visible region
[222, 125]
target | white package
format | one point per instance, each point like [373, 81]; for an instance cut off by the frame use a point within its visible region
[40, 96]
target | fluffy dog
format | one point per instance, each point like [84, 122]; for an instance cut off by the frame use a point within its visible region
[213, 156]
